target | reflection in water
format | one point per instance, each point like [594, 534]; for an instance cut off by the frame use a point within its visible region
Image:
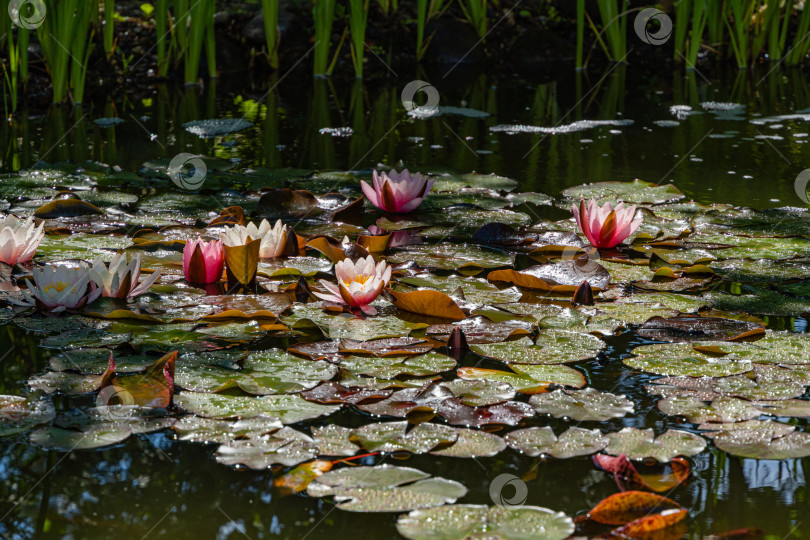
[710, 156]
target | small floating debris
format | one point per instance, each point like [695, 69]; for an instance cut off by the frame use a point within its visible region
[780, 118]
[725, 111]
[580, 125]
[666, 123]
[337, 132]
[108, 122]
[216, 126]
[682, 112]
[428, 112]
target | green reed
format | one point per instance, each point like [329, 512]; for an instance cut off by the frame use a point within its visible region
[715, 22]
[358, 17]
[388, 6]
[109, 27]
[323, 12]
[739, 27]
[200, 32]
[614, 28]
[580, 32]
[475, 12]
[426, 10]
[699, 19]
[270, 12]
[162, 29]
[65, 36]
[801, 39]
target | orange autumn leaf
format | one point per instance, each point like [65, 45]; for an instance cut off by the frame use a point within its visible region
[628, 506]
[429, 303]
[648, 524]
[333, 252]
[300, 477]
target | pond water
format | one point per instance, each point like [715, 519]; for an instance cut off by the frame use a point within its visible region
[737, 141]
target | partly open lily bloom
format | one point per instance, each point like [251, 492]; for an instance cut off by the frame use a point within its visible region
[358, 283]
[606, 227]
[120, 280]
[397, 192]
[274, 238]
[57, 288]
[203, 263]
[19, 239]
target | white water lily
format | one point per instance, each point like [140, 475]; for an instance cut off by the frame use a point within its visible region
[273, 238]
[120, 279]
[19, 239]
[57, 288]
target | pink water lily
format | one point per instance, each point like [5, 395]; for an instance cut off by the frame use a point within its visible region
[397, 192]
[19, 239]
[358, 284]
[606, 227]
[203, 263]
[120, 279]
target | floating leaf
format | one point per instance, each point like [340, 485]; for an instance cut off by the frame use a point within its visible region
[628, 506]
[19, 414]
[562, 277]
[289, 409]
[385, 488]
[588, 404]
[428, 303]
[61, 208]
[472, 521]
[649, 524]
[472, 444]
[387, 437]
[285, 447]
[574, 441]
[764, 443]
[300, 477]
[480, 392]
[691, 360]
[528, 378]
[551, 347]
[642, 443]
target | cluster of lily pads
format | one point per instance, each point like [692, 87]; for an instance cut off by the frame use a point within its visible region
[453, 324]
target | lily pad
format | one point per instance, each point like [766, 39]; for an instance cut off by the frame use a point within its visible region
[575, 441]
[635, 192]
[642, 443]
[552, 347]
[711, 358]
[287, 408]
[385, 488]
[588, 404]
[19, 414]
[478, 522]
[764, 444]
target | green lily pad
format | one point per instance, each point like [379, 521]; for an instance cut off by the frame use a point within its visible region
[480, 392]
[527, 376]
[204, 430]
[19, 414]
[575, 441]
[448, 256]
[642, 443]
[66, 440]
[385, 488]
[287, 408]
[552, 347]
[696, 411]
[472, 444]
[684, 359]
[588, 404]
[482, 522]
[764, 443]
[635, 192]
[283, 447]
[391, 367]
[387, 437]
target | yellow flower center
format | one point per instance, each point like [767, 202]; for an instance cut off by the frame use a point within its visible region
[361, 279]
[58, 286]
